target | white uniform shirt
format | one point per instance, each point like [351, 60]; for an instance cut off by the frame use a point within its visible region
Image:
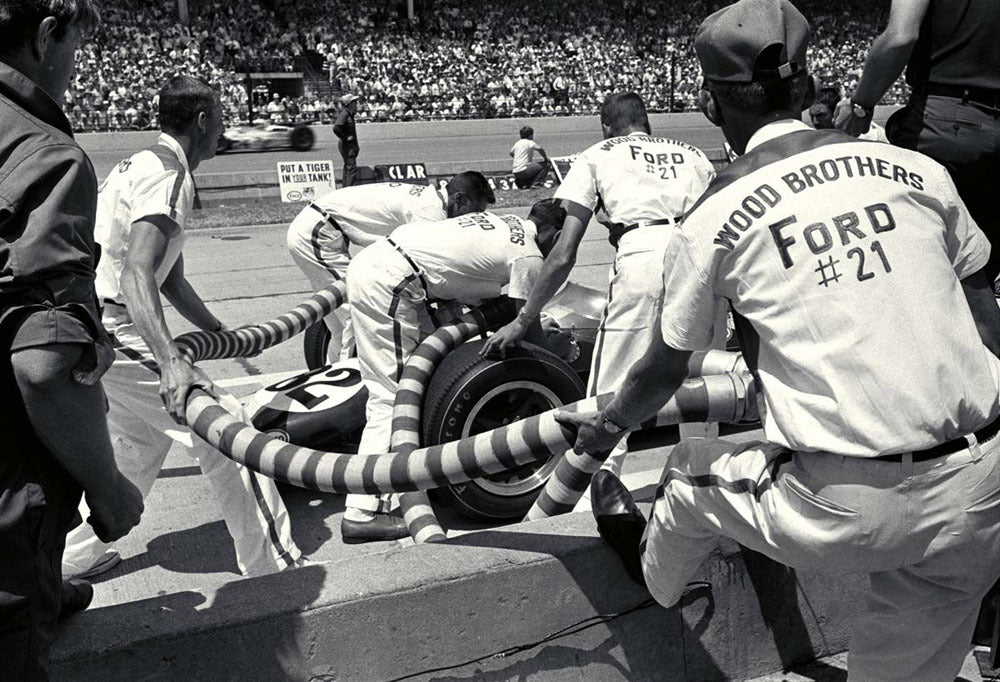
[376, 208]
[845, 259]
[155, 181]
[523, 150]
[638, 177]
[472, 257]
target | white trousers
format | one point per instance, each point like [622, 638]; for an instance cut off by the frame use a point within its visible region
[631, 321]
[927, 533]
[321, 253]
[389, 314]
[142, 433]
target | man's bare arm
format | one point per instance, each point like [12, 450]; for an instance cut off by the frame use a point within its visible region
[651, 382]
[558, 264]
[147, 249]
[983, 304]
[186, 300]
[886, 59]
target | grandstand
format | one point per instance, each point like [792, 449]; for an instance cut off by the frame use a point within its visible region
[453, 59]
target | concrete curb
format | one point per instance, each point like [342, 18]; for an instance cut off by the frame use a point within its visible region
[424, 609]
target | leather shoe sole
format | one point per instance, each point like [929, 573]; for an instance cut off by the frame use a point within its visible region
[382, 527]
[619, 521]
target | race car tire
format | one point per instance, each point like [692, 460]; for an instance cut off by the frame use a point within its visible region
[468, 395]
[315, 342]
[302, 138]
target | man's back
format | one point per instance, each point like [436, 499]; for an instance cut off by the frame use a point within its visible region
[844, 258]
[638, 177]
[468, 258]
[383, 206]
[522, 152]
[155, 181]
[957, 46]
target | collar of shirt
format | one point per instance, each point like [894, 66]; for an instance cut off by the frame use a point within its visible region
[442, 193]
[173, 145]
[27, 94]
[773, 130]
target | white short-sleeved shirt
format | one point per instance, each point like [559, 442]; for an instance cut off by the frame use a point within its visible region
[638, 177]
[472, 257]
[374, 208]
[155, 181]
[842, 261]
[523, 150]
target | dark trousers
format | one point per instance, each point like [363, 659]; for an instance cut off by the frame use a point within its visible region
[532, 175]
[35, 516]
[964, 137]
[38, 504]
[350, 156]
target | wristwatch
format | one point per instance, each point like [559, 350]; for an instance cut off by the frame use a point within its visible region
[611, 426]
[860, 110]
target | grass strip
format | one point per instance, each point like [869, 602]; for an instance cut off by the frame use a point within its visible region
[237, 213]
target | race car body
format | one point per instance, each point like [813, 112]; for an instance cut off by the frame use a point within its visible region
[324, 408]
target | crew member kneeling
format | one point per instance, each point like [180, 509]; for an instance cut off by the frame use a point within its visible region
[467, 260]
[854, 270]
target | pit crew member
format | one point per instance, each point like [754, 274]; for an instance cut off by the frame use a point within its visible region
[319, 236]
[466, 259]
[855, 272]
[646, 186]
[143, 206]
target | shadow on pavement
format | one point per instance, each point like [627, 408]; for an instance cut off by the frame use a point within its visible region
[310, 512]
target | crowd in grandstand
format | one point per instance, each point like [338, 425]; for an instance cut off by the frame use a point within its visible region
[456, 59]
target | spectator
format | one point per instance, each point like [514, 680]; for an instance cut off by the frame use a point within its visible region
[585, 49]
[528, 173]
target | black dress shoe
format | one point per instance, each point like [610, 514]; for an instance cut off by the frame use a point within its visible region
[382, 527]
[76, 596]
[619, 521]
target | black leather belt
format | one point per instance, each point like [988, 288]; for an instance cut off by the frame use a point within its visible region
[417, 271]
[948, 447]
[986, 96]
[619, 230]
[110, 303]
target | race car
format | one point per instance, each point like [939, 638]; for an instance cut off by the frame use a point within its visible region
[264, 136]
[324, 408]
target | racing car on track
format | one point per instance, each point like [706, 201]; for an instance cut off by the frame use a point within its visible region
[263, 136]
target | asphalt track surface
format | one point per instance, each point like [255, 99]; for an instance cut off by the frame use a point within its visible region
[480, 145]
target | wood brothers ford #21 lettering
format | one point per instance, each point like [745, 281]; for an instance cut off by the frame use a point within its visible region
[848, 229]
[482, 221]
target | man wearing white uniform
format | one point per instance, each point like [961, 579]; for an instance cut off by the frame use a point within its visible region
[855, 273]
[319, 236]
[466, 259]
[143, 206]
[646, 185]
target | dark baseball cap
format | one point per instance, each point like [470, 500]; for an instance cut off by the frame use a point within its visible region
[472, 183]
[753, 40]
